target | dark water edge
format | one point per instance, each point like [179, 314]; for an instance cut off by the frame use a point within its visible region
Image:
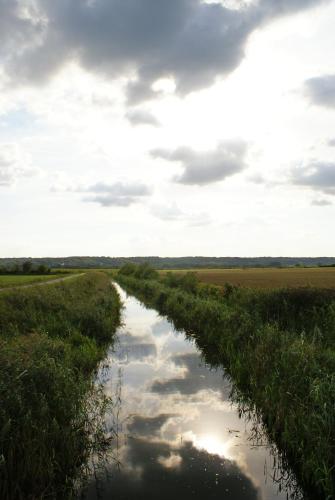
[179, 427]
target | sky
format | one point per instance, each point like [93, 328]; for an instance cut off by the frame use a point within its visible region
[171, 128]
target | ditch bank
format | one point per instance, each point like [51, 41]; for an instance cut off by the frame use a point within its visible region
[51, 341]
[278, 348]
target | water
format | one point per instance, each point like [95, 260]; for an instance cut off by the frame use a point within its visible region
[179, 435]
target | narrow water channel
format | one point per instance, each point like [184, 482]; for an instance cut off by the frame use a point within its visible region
[179, 435]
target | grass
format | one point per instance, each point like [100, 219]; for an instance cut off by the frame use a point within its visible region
[8, 281]
[269, 278]
[51, 340]
[278, 346]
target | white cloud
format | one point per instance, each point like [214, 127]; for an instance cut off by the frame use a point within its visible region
[172, 213]
[14, 164]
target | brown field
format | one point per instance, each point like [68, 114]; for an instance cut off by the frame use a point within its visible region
[269, 278]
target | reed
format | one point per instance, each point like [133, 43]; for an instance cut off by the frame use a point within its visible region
[51, 341]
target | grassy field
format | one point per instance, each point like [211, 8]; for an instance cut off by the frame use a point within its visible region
[320, 277]
[18, 280]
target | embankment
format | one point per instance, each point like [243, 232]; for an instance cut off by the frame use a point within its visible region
[51, 341]
[278, 348]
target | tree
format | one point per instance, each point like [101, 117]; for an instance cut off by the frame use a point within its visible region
[27, 267]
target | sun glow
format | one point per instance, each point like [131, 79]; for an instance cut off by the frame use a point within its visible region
[213, 445]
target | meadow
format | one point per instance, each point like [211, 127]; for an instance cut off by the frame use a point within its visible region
[9, 281]
[278, 346]
[267, 278]
[51, 341]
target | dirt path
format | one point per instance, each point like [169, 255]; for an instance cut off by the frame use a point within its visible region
[41, 283]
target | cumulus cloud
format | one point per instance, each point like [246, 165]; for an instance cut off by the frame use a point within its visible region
[142, 117]
[321, 90]
[197, 377]
[116, 195]
[319, 176]
[14, 164]
[190, 41]
[207, 167]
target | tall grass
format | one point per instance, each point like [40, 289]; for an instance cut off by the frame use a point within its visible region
[51, 340]
[278, 347]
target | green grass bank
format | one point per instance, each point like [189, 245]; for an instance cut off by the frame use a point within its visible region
[278, 348]
[51, 340]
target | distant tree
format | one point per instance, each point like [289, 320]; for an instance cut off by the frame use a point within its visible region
[42, 269]
[27, 267]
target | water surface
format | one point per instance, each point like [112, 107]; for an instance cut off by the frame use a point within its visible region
[179, 435]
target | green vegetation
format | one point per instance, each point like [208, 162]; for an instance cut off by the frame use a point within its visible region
[9, 281]
[51, 340]
[277, 346]
[25, 267]
[171, 262]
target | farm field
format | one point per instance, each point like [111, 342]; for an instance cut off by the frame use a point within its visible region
[320, 277]
[18, 280]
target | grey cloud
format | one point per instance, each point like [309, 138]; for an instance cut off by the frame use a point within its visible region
[19, 25]
[149, 426]
[321, 90]
[209, 166]
[142, 117]
[198, 377]
[190, 41]
[321, 203]
[134, 348]
[118, 194]
[331, 143]
[317, 175]
[257, 179]
[148, 476]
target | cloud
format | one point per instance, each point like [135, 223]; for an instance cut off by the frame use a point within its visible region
[331, 143]
[319, 176]
[321, 90]
[148, 426]
[189, 41]
[173, 213]
[134, 348]
[321, 203]
[208, 166]
[159, 469]
[197, 377]
[142, 117]
[116, 195]
[14, 164]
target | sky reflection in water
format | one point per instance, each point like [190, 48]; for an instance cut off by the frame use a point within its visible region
[178, 432]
